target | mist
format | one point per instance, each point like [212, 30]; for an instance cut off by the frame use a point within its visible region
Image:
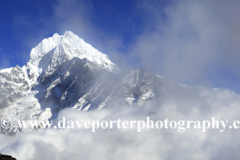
[190, 42]
[195, 44]
[191, 104]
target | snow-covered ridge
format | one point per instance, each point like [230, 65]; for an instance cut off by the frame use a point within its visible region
[43, 48]
[24, 91]
[64, 71]
[61, 47]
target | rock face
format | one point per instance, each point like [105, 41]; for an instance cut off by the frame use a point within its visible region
[6, 157]
[64, 71]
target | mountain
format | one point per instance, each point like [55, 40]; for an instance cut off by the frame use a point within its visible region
[64, 71]
[6, 157]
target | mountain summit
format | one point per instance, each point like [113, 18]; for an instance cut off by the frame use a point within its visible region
[64, 71]
[57, 49]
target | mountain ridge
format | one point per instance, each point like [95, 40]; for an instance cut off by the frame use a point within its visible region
[64, 71]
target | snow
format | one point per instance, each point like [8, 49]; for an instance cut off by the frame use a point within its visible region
[6, 70]
[45, 115]
[159, 76]
[43, 48]
[65, 71]
[52, 51]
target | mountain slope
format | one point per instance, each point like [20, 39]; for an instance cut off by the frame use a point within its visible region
[64, 71]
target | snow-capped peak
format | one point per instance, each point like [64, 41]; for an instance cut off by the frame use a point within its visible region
[64, 71]
[58, 48]
[43, 48]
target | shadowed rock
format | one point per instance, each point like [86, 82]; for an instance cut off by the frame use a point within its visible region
[6, 157]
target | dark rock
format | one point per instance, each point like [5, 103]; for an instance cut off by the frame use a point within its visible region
[6, 157]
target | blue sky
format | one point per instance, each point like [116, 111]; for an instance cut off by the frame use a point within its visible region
[23, 20]
[190, 41]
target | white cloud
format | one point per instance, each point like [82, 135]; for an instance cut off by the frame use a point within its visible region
[199, 38]
[197, 42]
[189, 41]
[191, 104]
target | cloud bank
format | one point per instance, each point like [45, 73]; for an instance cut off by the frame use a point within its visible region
[196, 43]
[128, 144]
